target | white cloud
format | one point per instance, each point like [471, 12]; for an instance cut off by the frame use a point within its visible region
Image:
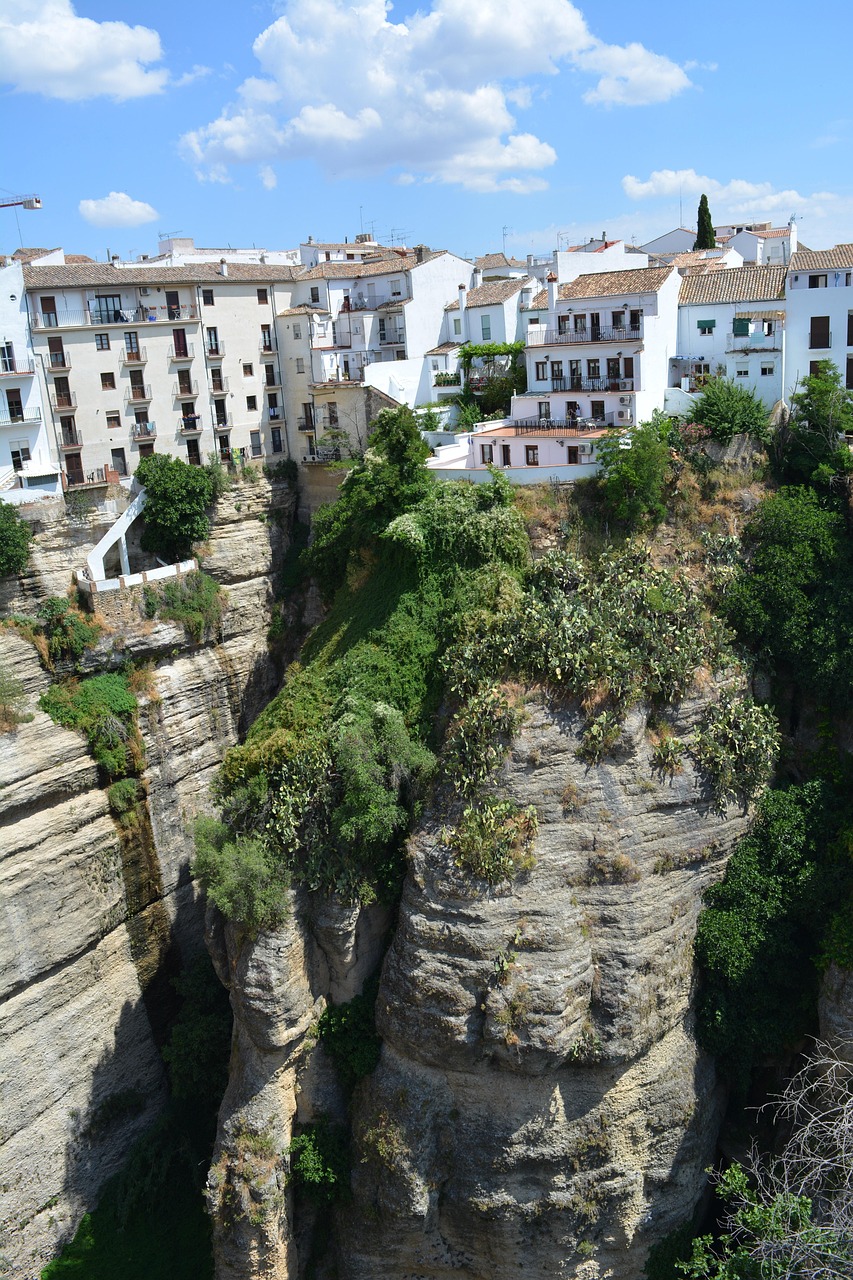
[268, 177]
[198, 72]
[117, 210]
[46, 48]
[432, 95]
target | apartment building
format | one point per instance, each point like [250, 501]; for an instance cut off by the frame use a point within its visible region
[819, 306]
[26, 461]
[732, 321]
[598, 348]
[138, 357]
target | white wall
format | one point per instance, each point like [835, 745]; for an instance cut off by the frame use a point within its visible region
[802, 302]
[34, 431]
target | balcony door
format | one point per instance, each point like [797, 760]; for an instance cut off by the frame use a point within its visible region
[15, 405]
[173, 304]
[74, 468]
[179, 339]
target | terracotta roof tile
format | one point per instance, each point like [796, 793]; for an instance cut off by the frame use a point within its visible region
[608, 284]
[737, 284]
[491, 293]
[840, 256]
[79, 275]
[354, 270]
[490, 261]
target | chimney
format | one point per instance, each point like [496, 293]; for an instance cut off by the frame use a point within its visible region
[527, 295]
[792, 235]
[420, 250]
[476, 278]
[223, 267]
[115, 259]
[529, 261]
[462, 316]
[759, 252]
[552, 298]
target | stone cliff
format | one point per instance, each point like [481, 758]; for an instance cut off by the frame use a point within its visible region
[540, 1104]
[96, 919]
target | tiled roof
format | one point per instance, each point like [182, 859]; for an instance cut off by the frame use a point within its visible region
[27, 255]
[608, 284]
[72, 258]
[737, 284]
[490, 261]
[696, 258]
[839, 257]
[443, 349]
[351, 246]
[78, 275]
[492, 293]
[382, 267]
[774, 233]
[304, 309]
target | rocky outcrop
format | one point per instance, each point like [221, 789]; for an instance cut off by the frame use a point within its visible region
[97, 917]
[541, 1104]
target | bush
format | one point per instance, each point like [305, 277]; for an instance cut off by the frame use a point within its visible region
[123, 796]
[15, 538]
[736, 744]
[810, 448]
[348, 1034]
[177, 498]
[319, 1163]
[195, 601]
[104, 709]
[493, 841]
[634, 470]
[66, 629]
[240, 876]
[197, 1051]
[728, 409]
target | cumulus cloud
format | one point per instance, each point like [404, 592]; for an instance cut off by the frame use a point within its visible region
[268, 178]
[429, 97]
[46, 48]
[737, 196]
[117, 210]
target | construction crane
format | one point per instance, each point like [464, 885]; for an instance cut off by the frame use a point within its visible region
[23, 202]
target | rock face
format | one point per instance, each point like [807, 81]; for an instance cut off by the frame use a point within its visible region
[541, 1105]
[94, 919]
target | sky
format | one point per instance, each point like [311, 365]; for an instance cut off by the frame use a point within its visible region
[469, 125]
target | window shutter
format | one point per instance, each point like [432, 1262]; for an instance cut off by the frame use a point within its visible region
[740, 328]
[706, 324]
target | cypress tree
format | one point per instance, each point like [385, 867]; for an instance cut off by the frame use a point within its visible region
[705, 238]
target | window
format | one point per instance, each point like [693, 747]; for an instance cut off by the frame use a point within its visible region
[220, 412]
[297, 331]
[146, 449]
[740, 327]
[350, 257]
[593, 369]
[596, 409]
[487, 453]
[113, 421]
[252, 404]
[273, 409]
[541, 370]
[255, 443]
[262, 297]
[69, 431]
[207, 297]
[613, 369]
[850, 328]
[333, 413]
[742, 373]
[628, 367]
[266, 337]
[506, 455]
[767, 370]
[814, 368]
[531, 455]
[617, 319]
[216, 380]
[486, 327]
[20, 451]
[556, 369]
[213, 342]
[119, 461]
[580, 324]
[573, 455]
[544, 408]
[706, 328]
[275, 439]
[300, 364]
[271, 379]
[248, 371]
[817, 282]
[848, 382]
[131, 344]
[7, 357]
[185, 383]
[179, 344]
[767, 328]
[106, 309]
[635, 318]
[457, 328]
[102, 342]
[819, 335]
[396, 291]
[315, 293]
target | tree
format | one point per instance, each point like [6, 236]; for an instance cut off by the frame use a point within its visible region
[705, 237]
[178, 496]
[791, 1215]
[728, 409]
[635, 467]
[15, 536]
[810, 447]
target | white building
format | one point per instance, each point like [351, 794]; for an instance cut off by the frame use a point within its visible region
[138, 357]
[598, 348]
[760, 242]
[526, 453]
[27, 461]
[679, 240]
[732, 322]
[819, 304]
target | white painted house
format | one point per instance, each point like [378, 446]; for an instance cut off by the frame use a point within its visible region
[731, 322]
[526, 453]
[598, 348]
[28, 456]
[819, 304]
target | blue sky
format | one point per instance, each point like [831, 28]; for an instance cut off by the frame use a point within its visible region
[444, 123]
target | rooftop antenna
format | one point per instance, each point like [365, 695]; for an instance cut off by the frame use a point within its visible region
[398, 233]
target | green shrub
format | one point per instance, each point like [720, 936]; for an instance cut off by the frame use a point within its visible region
[348, 1034]
[194, 600]
[241, 876]
[319, 1163]
[493, 841]
[66, 629]
[104, 709]
[728, 409]
[634, 468]
[178, 496]
[736, 744]
[15, 538]
[199, 1040]
[478, 738]
[123, 796]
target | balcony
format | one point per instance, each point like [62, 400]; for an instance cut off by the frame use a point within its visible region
[64, 400]
[446, 379]
[133, 358]
[143, 431]
[186, 353]
[816, 342]
[71, 439]
[555, 337]
[185, 391]
[140, 394]
[58, 362]
[554, 426]
[98, 476]
[213, 350]
[223, 422]
[275, 414]
[191, 425]
[266, 348]
[396, 339]
[591, 384]
[100, 319]
[220, 386]
[15, 367]
[272, 383]
[12, 419]
[361, 303]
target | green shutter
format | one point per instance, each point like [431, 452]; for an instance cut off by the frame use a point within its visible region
[740, 328]
[706, 324]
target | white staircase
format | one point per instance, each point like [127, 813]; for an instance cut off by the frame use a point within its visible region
[115, 534]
